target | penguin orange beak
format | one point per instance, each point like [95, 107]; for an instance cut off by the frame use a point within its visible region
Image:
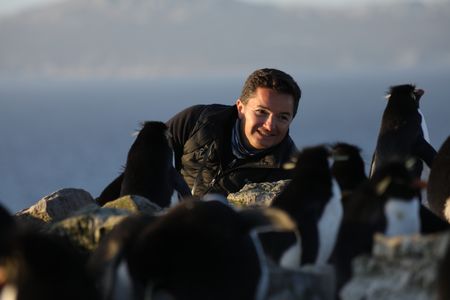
[419, 93]
[419, 184]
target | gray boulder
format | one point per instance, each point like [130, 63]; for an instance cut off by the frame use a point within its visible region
[134, 204]
[87, 228]
[56, 206]
[257, 194]
[309, 282]
[403, 267]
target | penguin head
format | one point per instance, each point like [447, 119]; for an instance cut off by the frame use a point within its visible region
[151, 147]
[312, 179]
[154, 133]
[275, 236]
[348, 166]
[46, 266]
[313, 163]
[406, 95]
[195, 250]
[107, 263]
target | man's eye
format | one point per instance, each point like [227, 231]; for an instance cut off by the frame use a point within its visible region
[261, 112]
[284, 118]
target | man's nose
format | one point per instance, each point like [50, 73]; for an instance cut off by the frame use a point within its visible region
[269, 124]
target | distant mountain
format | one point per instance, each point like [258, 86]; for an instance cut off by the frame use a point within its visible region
[130, 38]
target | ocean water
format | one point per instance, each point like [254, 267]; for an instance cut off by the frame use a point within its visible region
[76, 133]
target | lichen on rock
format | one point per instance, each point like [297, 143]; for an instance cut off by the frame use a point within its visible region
[257, 194]
[403, 267]
[134, 204]
[55, 206]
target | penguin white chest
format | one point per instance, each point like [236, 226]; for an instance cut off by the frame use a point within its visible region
[8, 292]
[426, 170]
[402, 217]
[123, 286]
[329, 225]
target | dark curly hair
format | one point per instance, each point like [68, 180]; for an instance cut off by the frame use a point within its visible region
[273, 79]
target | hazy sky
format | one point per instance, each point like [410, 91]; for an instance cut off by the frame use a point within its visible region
[9, 6]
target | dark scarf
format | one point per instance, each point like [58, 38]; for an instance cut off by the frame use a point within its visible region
[238, 146]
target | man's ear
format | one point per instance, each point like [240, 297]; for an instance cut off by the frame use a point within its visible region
[240, 108]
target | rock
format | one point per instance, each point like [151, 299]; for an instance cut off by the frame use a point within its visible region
[257, 194]
[404, 267]
[86, 229]
[134, 204]
[306, 283]
[56, 206]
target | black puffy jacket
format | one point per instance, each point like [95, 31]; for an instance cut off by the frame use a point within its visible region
[201, 139]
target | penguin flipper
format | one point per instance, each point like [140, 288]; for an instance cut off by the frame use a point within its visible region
[373, 164]
[180, 184]
[430, 222]
[111, 192]
[425, 151]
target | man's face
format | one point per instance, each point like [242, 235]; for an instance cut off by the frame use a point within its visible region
[266, 117]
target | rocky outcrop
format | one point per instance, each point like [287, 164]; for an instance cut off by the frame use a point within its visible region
[86, 229]
[56, 206]
[306, 283]
[134, 204]
[257, 194]
[400, 268]
[74, 214]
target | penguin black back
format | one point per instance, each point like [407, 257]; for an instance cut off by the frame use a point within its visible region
[348, 166]
[105, 261]
[403, 131]
[149, 171]
[6, 220]
[8, 229]
[198, 250]
[306, 196]
[311, 184]
[365, 215]
[277, 233]
[44, 266]
[149, 163]
[443, 277]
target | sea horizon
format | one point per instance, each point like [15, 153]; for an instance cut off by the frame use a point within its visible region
[67, 133]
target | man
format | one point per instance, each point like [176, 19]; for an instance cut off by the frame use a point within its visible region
[220, 148]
